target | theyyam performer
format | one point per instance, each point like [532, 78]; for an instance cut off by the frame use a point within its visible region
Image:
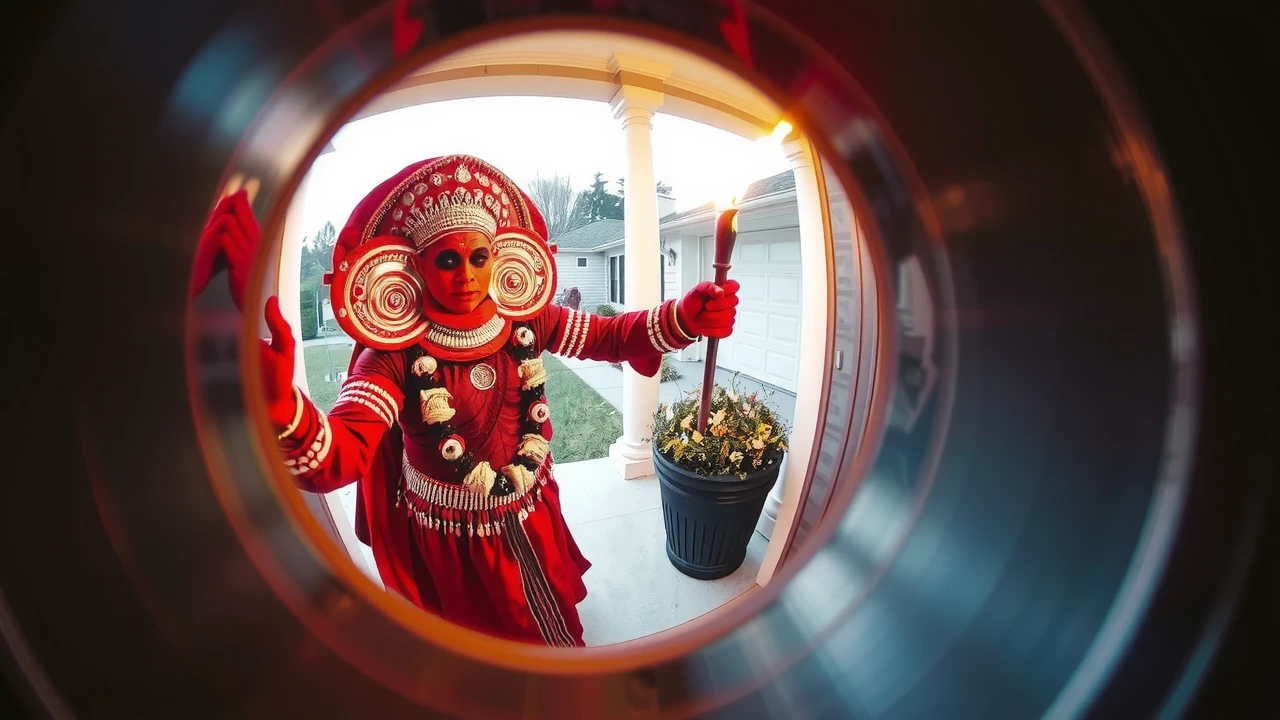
[444, 278]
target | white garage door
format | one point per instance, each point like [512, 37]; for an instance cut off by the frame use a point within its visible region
[766, 338]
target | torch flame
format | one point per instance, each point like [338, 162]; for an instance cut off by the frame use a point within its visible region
[764, 147]
[728, 199]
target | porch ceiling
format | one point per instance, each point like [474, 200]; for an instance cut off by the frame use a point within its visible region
[579, 63]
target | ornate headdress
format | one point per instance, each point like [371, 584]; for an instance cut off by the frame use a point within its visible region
[442, 204]
[378, 295]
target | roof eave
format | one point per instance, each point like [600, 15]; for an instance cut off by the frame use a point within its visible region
[760, 201]
[609, 245]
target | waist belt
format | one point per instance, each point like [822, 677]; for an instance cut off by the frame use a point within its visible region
[453, 509]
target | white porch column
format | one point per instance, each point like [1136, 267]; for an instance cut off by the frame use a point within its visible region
[783, 501]
[637, 99]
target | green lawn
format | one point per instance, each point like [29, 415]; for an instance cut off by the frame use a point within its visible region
[585, 423]
[324, 392]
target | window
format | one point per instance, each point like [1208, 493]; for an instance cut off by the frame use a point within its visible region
[582, 262]
[618, 279]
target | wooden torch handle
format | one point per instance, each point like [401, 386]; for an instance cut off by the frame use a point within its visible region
[726, 236]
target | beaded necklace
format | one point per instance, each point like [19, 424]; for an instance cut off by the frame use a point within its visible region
[434, 399]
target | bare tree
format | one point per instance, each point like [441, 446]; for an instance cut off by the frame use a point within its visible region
[555, 198]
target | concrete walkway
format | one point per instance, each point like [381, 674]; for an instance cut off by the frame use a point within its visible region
[334, 339]
[607, 381]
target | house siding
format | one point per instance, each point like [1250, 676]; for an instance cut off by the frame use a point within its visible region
[592, 281]
[689, 267]
[671, 280]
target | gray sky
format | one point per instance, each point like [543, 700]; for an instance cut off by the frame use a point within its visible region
[524, 137]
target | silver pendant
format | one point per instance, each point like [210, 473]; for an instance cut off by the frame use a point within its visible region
[483, 376]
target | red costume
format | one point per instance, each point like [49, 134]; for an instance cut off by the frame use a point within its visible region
[442, 421]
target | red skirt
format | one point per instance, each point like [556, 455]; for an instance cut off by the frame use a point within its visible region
[503, 566]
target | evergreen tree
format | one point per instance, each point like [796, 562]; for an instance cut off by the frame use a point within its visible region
[597, 203]
[317, 259]
[323, 246]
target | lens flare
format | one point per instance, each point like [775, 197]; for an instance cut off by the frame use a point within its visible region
[749, 167]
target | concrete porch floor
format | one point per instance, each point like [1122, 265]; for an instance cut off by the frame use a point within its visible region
[624, 526]
[632, 589]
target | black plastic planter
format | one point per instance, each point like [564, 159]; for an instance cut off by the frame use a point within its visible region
[710, 519]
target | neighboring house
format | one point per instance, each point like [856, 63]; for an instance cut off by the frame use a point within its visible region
[766, 261]
[580, 265]
[590, 258]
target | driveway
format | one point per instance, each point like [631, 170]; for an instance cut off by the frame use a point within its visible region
[607, 381]
[337, 339]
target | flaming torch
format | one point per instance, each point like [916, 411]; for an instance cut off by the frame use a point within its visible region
[725, 236]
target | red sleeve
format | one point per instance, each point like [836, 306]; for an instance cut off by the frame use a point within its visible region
[325, 453]
[640, 337]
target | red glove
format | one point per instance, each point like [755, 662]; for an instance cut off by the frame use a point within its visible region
[277, 368]
[708, 309]
[229, 240]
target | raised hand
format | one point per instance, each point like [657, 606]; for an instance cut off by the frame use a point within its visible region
[229, 240]
[277, 367]
[709, 309]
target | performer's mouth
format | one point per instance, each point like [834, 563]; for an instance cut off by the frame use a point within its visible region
[467, 295]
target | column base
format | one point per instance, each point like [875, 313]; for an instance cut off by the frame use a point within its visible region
[631, 461]
[772, 505]
[765, 524]
[769, 517]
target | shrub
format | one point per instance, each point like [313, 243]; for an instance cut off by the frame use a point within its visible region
[308, 319]
[606, 311]
[669, 371]
[744, 433]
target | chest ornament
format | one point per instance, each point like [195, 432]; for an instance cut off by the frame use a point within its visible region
[437, 411]
[483, 376]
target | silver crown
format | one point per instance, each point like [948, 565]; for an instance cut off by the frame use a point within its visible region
[455, 211]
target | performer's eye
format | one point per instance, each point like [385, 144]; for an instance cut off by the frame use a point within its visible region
[480, 257]
[448, 260]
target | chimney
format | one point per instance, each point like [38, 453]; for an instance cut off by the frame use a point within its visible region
[666, 205]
